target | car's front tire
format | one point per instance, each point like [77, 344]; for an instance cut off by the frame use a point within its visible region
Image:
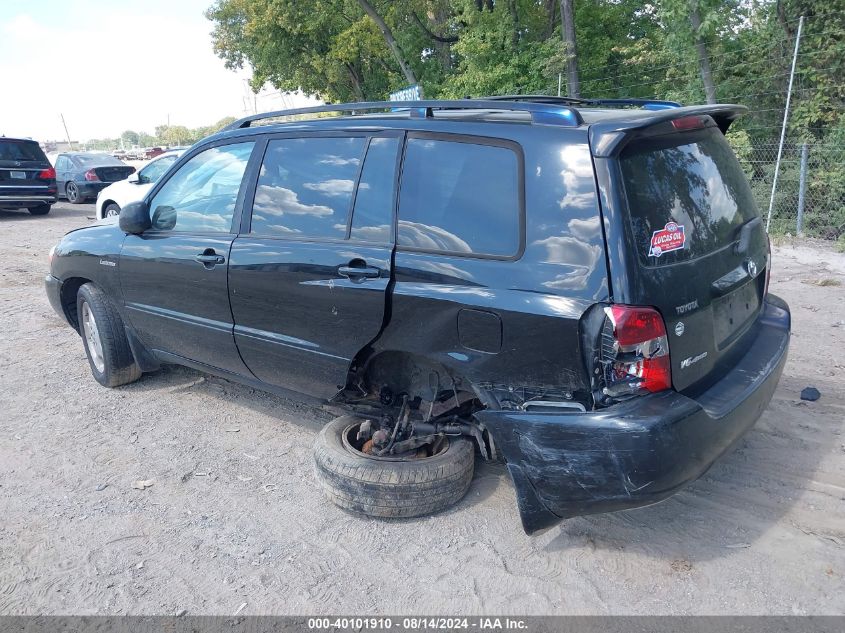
[104, 338]
[41, 209]
[74, 196]
[390, 487]
[111, 209]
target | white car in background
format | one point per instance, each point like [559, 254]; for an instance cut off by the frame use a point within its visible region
[117, 195]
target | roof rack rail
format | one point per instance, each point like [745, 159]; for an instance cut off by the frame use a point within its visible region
[541, 113]
[646, 104]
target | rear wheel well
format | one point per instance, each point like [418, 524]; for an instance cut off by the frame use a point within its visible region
[70, 289]
[389, 380]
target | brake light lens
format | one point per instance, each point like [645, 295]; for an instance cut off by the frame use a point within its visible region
[689, 123]
[47, 174]
[635, 352]
[91, 176]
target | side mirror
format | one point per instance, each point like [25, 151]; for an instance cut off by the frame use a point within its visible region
[134, 178]
[135, 218]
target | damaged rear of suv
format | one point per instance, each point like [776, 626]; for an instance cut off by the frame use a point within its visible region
[579, 288]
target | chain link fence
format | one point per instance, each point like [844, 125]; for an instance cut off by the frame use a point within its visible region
[810, 194]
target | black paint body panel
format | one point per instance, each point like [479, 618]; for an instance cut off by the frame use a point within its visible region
[642, 451]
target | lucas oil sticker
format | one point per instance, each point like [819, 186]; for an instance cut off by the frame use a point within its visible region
[670, 238]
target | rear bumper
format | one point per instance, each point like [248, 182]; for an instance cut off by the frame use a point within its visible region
[638, 452]
[91, 189]
[27, 200]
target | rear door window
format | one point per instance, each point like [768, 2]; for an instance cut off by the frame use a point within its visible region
[687, 195]
[305, 187]
[460, 198]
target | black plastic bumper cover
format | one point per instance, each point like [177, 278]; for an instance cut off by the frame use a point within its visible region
[53, 287]
[641, 451]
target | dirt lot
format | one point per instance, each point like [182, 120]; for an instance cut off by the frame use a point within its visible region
[234, 516]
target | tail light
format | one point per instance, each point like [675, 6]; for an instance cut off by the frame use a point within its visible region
[47, 174]
[689, 123]
[634, 352]
[91, 176]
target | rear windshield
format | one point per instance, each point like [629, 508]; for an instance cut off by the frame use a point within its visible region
[20, 151]
[687, 195]
[97, 160]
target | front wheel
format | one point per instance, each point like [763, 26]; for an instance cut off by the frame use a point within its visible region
[104, 338]
[73, 194]
[111, 210]
[389, 486]
[41, 209]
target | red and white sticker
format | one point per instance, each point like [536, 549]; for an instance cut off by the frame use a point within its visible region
[670, 238]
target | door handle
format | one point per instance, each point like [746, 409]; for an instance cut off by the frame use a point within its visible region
[353, 272]
[210, 259]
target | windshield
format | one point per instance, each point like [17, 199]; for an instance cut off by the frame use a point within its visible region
[21, 150]
[687, 195]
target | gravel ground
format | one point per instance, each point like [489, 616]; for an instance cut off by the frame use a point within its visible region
[234, 515]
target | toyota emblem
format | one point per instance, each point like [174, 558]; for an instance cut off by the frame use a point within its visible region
[752, 267]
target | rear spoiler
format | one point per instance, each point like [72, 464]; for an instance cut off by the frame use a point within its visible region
[609, 137]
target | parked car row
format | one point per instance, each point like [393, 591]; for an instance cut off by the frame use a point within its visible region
[140, 153]
[29, 181]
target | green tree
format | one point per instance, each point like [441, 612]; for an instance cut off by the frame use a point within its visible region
[130, 138]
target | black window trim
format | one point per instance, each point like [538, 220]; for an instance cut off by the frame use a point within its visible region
[469, 139]
[368, 135]
[402, 138]
[188, 155]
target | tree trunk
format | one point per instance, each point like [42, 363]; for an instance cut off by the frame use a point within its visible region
[355, 80]
[391, 41]
[701, 51]
[515, 18]
[573, 87]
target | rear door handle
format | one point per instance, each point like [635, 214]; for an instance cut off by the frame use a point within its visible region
[210, 258]
[353, 272]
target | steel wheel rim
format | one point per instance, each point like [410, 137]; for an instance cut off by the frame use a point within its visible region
[71, 192]
[92, 335]
[111, 212]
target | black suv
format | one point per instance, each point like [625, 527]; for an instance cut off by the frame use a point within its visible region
[27, 179]
[578, 288]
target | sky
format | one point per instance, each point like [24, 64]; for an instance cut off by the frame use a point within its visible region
[115, 65]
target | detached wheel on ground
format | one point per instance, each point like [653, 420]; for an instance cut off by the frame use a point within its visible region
[73, 194]
[41, 209]
[390, 486]
[111, 210]
[104, 338]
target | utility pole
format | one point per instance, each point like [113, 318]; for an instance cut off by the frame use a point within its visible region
[783, 127]
[67, 136]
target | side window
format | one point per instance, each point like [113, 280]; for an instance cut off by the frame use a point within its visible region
[460, 197]
[305, 186]
[372, 216]
[201, 196]
[155, 170]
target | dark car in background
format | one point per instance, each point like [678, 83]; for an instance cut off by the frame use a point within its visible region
[81, 175]
[27, 179]
[577, 287]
